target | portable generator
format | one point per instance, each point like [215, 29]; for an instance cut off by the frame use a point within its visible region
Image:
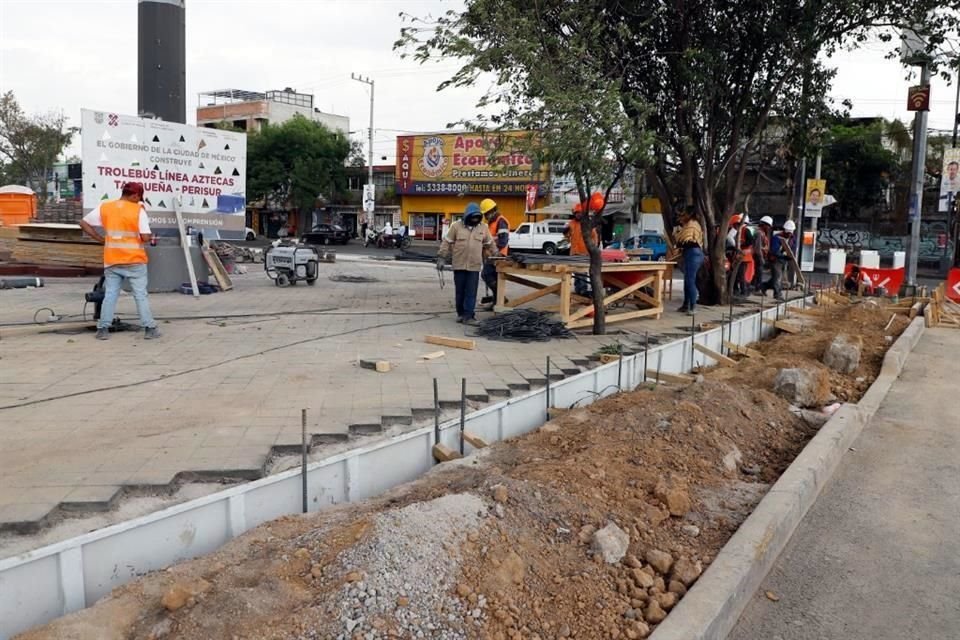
[288, 263]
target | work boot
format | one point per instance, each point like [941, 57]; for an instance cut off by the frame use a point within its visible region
[103, 333]
[459, 319]
[683, 309]
[151, 333]
[472, 321]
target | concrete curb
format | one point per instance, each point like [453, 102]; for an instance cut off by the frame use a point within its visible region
[714, 604]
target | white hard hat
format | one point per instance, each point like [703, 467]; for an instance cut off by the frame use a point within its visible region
[790, 226]
[746, 218]
[766, 220]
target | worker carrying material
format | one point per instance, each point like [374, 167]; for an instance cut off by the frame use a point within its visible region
[578, 247]
[467, 244]
[125, 230]
[500, 232]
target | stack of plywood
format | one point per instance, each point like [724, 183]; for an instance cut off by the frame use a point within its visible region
[51, 244]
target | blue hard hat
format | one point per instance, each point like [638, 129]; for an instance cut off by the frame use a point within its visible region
[472, 209]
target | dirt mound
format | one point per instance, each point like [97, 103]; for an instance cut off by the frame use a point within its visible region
[504, 545]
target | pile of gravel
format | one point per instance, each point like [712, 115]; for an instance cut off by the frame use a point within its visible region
[404, 573]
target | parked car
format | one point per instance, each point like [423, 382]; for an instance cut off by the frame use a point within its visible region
[326, 234]
[249, 234]
[654, 242]
[545, 236]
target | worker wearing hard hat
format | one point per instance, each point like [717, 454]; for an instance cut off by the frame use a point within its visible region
[761, 250]
[500, 232]
[466, 244]
[779, 258]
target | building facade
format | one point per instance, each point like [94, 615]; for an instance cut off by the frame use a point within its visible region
[250, 110]
[437, 175]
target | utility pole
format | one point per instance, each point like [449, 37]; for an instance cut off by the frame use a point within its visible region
[359, 78]
[916, 183]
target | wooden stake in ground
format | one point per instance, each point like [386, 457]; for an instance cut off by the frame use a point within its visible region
[216, 267]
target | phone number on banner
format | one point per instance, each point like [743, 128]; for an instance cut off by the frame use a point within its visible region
[468, 187]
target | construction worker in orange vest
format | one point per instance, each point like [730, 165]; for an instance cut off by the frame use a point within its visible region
[125, 230]
[578, 247]
[500, 232]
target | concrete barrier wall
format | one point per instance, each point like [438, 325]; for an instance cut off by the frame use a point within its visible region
[40, 585]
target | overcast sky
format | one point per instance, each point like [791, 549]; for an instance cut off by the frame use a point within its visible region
[68, 54]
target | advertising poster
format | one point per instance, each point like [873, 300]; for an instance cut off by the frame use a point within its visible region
[207, 168]
[465, 163]
[950, 180]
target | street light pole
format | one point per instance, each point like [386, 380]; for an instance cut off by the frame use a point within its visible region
[368, 81]
[916, 186]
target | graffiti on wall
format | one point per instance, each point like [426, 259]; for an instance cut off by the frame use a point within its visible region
[933, 238]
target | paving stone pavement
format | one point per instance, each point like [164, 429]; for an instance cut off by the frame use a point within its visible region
[83, 421]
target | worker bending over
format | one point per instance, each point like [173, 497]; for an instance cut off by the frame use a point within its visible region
[500, 232]
[126, 229]
[467, 244]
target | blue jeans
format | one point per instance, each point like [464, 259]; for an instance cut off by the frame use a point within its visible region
[692, 261]
[465, 283]
[114, 276]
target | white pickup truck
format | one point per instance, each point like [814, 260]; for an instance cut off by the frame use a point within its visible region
[546, 236]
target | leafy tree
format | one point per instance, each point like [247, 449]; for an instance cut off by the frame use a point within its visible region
[547, 86]
[30, 145]
[294, 163]
[857, 167]
[706, 78]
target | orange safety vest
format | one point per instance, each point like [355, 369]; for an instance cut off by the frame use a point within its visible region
[494, 232]
[577, 246]
[121, 230]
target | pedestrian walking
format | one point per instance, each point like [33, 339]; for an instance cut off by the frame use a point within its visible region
[689, 239]
[467, 244]
[126, 229]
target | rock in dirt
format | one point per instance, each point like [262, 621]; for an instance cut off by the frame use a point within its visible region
[180, 594]
[732, 459]
[611, 543]
[654, 613]
[843, 354]
[660, 560]
[677, 587]
[667, 600]
[674, 496]
[354, 576]
[500, 493]
[803, 387]
[686, 571]
[632, 561]
[643, 579]
[691, 530]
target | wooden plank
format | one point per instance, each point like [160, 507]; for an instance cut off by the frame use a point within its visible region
[783, 326]
[530, 297]
[916, 310]
[380, 366]
[443, 453]
[608, 300]
[433, 355]
[742, 350]
[806, 312]
[710, 353]
[216, 268]
[617, 317]
[674, 378]
[893, 317]
[474, 440]
[566, 286]
[607, 358]
[456, 343]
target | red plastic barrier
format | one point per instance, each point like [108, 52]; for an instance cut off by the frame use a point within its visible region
[889, 279]
[953, 284]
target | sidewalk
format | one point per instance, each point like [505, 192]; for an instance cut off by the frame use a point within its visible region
[878, 556]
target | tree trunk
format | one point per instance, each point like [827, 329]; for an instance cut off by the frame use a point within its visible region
[596, 278]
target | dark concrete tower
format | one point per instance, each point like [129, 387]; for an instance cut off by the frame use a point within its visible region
[162, 70]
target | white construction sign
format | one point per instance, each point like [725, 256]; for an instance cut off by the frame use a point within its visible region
[207, 168]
